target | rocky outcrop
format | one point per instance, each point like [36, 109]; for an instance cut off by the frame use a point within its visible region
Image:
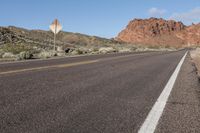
[7, 36]
[156, 31]
[191, 35]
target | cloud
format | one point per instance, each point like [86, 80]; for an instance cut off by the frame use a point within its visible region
[155, 12]
[192, 16]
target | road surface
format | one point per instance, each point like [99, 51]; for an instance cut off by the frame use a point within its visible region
[90, 94]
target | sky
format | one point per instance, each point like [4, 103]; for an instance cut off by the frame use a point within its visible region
[104, 18]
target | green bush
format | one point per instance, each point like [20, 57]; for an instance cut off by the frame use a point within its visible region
[79, 51]
[24, 55]
[47, 54]
[153, 47]
[1, 53]
[76, 52]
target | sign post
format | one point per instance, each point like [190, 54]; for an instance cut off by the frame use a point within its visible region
[55, 27]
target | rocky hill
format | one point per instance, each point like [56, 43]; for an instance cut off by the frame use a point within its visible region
[19, 44]
[42, 38]
[156, 31]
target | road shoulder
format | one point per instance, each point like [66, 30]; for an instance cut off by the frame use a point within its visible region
[182, 111]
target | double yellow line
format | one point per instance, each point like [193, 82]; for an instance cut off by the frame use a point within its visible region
[47, 67]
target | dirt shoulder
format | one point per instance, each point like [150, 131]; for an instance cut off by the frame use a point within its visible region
[195, 55]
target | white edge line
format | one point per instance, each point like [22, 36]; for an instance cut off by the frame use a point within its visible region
[154, 115]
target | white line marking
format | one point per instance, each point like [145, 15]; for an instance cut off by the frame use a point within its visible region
[154, 115]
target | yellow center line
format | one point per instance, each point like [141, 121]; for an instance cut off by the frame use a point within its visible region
[64, 65]
[47, 67]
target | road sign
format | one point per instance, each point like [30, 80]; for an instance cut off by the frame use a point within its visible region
[55, 28]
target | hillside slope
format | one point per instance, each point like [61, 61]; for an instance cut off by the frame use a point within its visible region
[16, 35]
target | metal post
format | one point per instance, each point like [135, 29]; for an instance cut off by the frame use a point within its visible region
[55, 37]
[54, 42]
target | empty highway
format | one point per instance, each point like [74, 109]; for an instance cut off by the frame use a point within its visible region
[111, 93]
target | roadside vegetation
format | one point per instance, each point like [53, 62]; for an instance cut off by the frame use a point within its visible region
[27, 51]
[21, 44]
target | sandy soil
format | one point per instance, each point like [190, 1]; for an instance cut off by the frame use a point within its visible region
[195, 54]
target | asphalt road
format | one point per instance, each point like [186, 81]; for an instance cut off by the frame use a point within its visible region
[90, 94]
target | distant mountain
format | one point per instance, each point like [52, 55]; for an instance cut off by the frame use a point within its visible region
[16, 35]
[160, 32]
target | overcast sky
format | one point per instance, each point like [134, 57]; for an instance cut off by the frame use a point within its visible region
[105, 18]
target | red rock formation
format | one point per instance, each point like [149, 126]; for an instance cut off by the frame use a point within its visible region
[155, 31]
[191, 35]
